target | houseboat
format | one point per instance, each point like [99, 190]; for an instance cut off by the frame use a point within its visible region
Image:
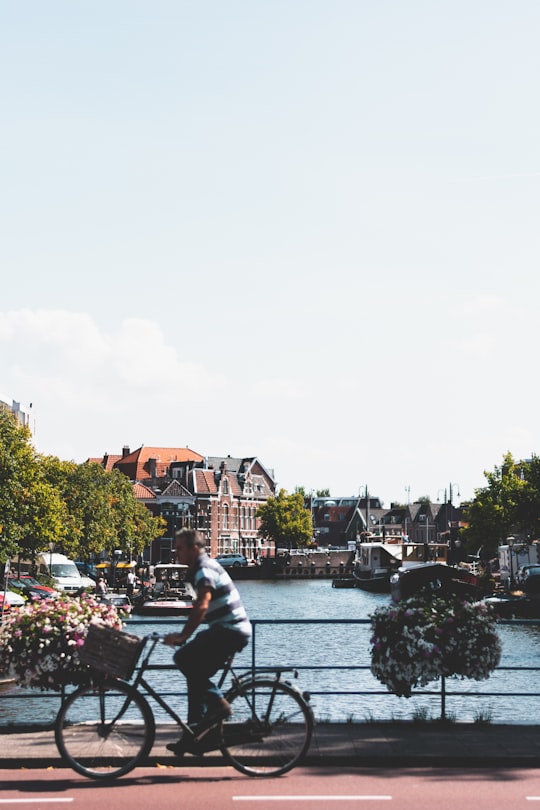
[378, 558]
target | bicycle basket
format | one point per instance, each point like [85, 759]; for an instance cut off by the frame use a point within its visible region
[111, 651]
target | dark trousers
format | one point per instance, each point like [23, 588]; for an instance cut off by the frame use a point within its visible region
[199, 660]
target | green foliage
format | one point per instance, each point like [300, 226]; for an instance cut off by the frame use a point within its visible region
[323, 493]
[508, 504]
[103, 512]
[285, 520]
[81, 508]
[31, 512]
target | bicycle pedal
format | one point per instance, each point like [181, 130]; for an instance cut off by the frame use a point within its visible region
[208, 740]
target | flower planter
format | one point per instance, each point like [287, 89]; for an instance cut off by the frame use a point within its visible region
[425, 638]
[40, 643]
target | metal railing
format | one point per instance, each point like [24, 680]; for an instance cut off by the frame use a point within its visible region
[333, 698]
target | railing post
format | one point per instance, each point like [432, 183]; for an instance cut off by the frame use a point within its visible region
[443, 697]
[253, 655]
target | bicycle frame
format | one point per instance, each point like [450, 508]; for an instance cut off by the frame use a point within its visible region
[270, 730]
[238, 681]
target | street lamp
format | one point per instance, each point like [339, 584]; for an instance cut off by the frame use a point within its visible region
[453, 485]
[510, 542]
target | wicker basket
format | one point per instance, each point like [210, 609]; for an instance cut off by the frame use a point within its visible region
[111, 651]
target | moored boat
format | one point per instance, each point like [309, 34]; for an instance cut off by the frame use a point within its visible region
[170, 595]
[376, 561]
[438, 578]
[163, 607]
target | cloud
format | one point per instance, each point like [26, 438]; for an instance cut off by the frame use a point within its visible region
[55, 345]
[479, 345]
[280, 389]
[93, 386]
[483, 304]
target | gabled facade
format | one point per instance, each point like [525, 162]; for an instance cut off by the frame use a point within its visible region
[228, 492]
[217, 495]
[339, 521]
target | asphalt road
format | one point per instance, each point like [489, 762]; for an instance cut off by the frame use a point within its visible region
[222, 788]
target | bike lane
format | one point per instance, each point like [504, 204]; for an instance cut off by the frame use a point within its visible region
[222, 787]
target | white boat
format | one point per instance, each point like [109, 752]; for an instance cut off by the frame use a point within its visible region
[171, 595]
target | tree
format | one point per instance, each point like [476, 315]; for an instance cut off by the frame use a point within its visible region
[323, 493]
[509, 503]
[31, 512]
[285, 520]
[103, 513]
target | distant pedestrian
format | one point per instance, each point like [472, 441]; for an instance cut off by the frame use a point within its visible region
[130, 583]
[101, 586]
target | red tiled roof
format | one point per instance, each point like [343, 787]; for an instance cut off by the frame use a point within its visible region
[137, 466]
[142, 492]
[106, 461]
[204, 482]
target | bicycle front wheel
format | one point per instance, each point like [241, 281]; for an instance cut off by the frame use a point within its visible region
[270, 729]
[104, 731]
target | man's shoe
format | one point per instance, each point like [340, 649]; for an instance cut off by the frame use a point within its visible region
[177, 747]
[220, 710]
[185, 745]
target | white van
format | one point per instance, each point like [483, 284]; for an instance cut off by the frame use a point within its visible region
[63, 571]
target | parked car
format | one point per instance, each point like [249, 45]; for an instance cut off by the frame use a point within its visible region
[88, 570]
[32, 581]
[234, 560]
[530, 582]
[30, 587]
[522, 572]
[14, 599]
[5, 608]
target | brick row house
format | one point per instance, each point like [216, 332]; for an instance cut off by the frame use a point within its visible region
[217, 495]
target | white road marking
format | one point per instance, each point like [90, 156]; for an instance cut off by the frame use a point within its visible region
[32, 801]
[311, 798]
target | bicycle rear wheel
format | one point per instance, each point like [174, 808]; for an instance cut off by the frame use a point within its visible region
[270, 729]
[104, 731]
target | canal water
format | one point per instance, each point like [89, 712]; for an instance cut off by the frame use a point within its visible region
[332, 658]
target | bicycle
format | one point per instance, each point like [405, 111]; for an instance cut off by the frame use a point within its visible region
[105, 729]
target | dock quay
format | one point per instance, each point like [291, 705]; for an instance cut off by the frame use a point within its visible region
[298, 564]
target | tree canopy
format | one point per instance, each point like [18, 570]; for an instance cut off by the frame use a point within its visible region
[285, 520]
[80, 508]
[508, 504]
[31, 511]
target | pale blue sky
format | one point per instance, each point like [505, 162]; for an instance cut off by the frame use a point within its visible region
[304, 230]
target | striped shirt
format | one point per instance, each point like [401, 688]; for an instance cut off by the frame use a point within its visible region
[226, 608]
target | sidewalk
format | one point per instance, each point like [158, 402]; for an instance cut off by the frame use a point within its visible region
[346, 744]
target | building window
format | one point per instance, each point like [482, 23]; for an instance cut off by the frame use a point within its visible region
[225, 516]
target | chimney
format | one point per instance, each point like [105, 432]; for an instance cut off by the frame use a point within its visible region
[125, 450]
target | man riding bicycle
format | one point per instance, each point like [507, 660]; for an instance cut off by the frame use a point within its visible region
[229, 630]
